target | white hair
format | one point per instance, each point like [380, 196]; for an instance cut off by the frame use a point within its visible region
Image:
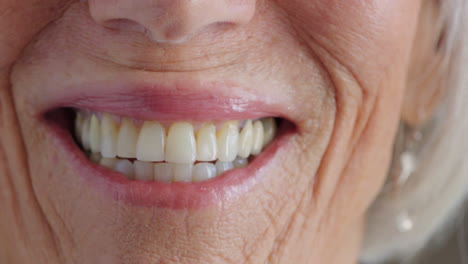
[402, 222]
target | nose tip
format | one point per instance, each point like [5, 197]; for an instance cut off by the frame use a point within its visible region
[172, 21]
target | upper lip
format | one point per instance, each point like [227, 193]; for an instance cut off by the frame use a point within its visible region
[170, 102]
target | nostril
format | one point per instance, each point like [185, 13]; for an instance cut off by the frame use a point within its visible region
[124, 25]
[172, 21]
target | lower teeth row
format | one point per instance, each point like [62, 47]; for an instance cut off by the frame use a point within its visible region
[167, 171]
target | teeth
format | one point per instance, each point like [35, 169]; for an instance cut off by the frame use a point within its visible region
[227, 139]
[246, 140]
[181, 146]
[269, 127]
[183, 172]
[125, 167]
[109, 134]
[150, 146]
[127, 139]
[240, 163]
[182, 153]
[206, 143]
[257, 137]
[143, 170]
[85, 134]
[95, 135]
[222, 166]
[78, 125]
[163, 172]
[95, 157]
[203, 171]
[108, 162]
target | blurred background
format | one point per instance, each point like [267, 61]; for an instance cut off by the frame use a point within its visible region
[451, 249]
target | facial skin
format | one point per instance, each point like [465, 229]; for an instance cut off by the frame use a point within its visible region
[336, 69]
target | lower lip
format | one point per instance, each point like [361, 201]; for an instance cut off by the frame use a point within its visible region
[178, 195]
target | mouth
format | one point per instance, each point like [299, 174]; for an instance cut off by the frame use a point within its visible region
[177, 163]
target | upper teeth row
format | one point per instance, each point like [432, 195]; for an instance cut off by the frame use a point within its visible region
[181, 144]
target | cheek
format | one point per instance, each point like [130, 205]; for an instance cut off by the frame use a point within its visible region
[21, 20]
[364, 47]
[364, 37]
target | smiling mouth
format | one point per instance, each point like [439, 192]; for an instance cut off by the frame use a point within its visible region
[171, 151]
[172, 147]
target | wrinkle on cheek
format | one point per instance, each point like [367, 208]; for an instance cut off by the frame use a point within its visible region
[363, 36]
[25, 214]
[297, 227]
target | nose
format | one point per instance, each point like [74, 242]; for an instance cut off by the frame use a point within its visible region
[172, 21]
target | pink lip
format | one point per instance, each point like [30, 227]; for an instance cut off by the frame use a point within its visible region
[170, 102]
[148, 102]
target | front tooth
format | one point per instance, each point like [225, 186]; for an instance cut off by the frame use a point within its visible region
[85, 133]
[163, 172]
[206, 143]
[203, 171]
[95, 135]
[127, 139]
[125, 167]
[109, 134]
[257, 137]
[240, 163]
[181, 146]
[246, 140]
[143, 170]
[150, 146]
[269, 126]
[222, 166]
[227, 140]
[108, 162]
[183, 172]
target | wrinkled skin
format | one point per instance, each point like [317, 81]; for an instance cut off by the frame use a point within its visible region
[340, 66]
